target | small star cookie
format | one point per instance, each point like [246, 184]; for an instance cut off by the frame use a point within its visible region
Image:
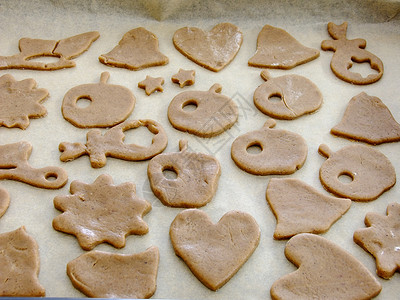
[152, 84]
[184, 77]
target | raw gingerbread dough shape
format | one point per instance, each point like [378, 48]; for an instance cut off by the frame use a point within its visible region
[99, 146]
[279, 50]
[152, 84]
[196, 181]
[370, 172]
[298, 96]
[100, 274]
[382, 239]
[214, 252]
[300, 208]
[325, 271]
[184, 77]
[214, 113]
[282, 151]
[369, 120]
[19, 101]
[212, 50]
[4, 201]
[14, 166]
[109, 104]
[101, 212]
[19, 267]
[65, 50]
[347, 52]
[138, 49]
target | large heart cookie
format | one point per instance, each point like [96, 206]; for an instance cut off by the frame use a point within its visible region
[214, 252]
[326, 271]
[212, 50]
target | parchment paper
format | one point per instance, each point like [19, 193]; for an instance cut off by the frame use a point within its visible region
[376, 21]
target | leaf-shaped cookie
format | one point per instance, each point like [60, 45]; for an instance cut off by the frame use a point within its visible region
[325, 271]
[101, 212]
[110, 275]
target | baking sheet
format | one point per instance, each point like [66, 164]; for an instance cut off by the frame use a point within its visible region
[376, 21]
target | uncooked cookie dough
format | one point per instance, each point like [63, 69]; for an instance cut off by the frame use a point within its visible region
[184, 77]
[138, 49]
[279, 50]
[214, 49]
[152, 84]
[111, 275]
[4, 201]
[214, 252]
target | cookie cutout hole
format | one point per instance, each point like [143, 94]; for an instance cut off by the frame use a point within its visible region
[140, 136]
[170, 173]
[363, 68]
[51, 176]
[44, 59]
[254, 148]
[275, 98]
[189, 106]
[345, 178]
[83, 102]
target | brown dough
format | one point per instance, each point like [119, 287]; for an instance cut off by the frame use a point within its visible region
[300, 208]
[282, 152]
[14, 165]
[298, 95]
[19, 267]
[279, 50]
[19, 101]
[369, 120]
[212, 50]
[109, 104]
[348, 52]
[382, 239]
[137, 50]
[110, 275]
[99, 146]
[371, 173]
[214, 113]
[196, 182]
[214, 252]
[184, 77]
[101, 212]
[152, 84]
[4, 201]
[65, 50]
[325, 271]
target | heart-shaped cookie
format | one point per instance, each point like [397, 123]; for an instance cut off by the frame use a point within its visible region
[214, 252]
[212, 50]
[326, 271]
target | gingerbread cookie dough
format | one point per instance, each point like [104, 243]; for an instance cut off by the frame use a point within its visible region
[214, 49]
[382, 239]
[347, 52]
[214, 252]
[300, 208]
[19, 101]
[110, 275]
[281, 151]
[152, 84]
[138, 49]
[325, 271]
[4, 201]
[19, 267]
[99, 146]
[184, 77]
[65, 50]
[358, 172]
[369, 120]
[109, 104]
[296, 95]
[214, 113]
[279, 50]
[196, 172]
[101, 212]
[14, 166]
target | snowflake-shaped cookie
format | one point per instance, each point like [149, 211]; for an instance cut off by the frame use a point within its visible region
[19, 101]
[382, 239]
[101, 212]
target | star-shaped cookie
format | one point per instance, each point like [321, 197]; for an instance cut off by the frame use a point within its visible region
[101, 212]
[184, 77]
[152, 84]
[382, 239]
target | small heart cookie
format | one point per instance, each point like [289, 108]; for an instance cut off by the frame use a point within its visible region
[212, 50]
[214, 252]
